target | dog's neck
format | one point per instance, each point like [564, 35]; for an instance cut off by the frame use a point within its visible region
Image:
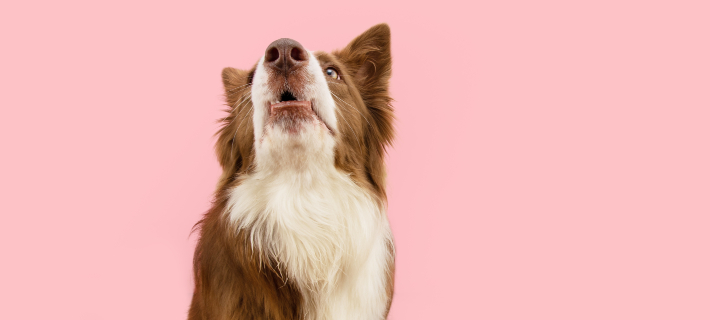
[296, 192]
[308, 153]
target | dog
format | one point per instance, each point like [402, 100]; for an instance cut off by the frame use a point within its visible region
[298, 228]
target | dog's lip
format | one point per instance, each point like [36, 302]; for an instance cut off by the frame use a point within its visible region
[291, 104]
[299, 104]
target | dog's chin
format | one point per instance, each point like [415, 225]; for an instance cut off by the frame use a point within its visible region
[293, 119]
[295, 138]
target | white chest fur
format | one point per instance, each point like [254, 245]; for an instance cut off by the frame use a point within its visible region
[331, 236]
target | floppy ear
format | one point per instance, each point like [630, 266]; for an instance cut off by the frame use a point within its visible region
[369, 61]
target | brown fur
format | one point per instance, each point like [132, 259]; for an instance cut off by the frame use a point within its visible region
[231, 281]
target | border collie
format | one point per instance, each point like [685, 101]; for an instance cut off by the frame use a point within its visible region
[298, 228]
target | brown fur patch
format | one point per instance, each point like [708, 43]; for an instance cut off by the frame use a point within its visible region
[231, 281]
[366, 66]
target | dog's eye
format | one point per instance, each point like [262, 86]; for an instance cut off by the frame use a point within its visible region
[332, 73]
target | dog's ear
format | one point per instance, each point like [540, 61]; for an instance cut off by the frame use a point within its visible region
[369, 63]
[234, 148]
[368, 58]
[234, 80]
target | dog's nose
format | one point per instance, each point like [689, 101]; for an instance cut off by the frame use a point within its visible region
[285, 54]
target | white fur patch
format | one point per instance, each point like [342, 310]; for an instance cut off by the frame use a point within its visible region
[330, 235]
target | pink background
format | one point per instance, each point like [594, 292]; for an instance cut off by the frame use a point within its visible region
[552, 160]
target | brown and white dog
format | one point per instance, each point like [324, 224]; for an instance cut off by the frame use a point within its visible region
[298, 228]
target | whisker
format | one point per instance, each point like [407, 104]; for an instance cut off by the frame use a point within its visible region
[240, 101]
[358, 111]
[238, 92]
[243, 99]
[246, 85]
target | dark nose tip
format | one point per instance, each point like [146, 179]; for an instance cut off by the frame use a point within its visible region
[285, 54]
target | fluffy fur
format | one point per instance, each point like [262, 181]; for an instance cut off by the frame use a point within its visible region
[298, 228]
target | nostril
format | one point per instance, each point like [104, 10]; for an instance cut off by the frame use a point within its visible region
[298, 54]
[272, 55]
[284, 54]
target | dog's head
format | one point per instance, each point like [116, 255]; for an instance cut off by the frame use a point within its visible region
[296, 109]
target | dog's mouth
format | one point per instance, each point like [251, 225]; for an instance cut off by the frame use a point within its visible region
[288, 100]
[291, 110]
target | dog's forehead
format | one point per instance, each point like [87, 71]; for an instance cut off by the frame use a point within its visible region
[323, 56]
[326, 58]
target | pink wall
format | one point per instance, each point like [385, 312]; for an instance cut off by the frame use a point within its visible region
[552, 159]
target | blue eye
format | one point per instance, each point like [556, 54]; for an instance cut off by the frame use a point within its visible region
[332, 73]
